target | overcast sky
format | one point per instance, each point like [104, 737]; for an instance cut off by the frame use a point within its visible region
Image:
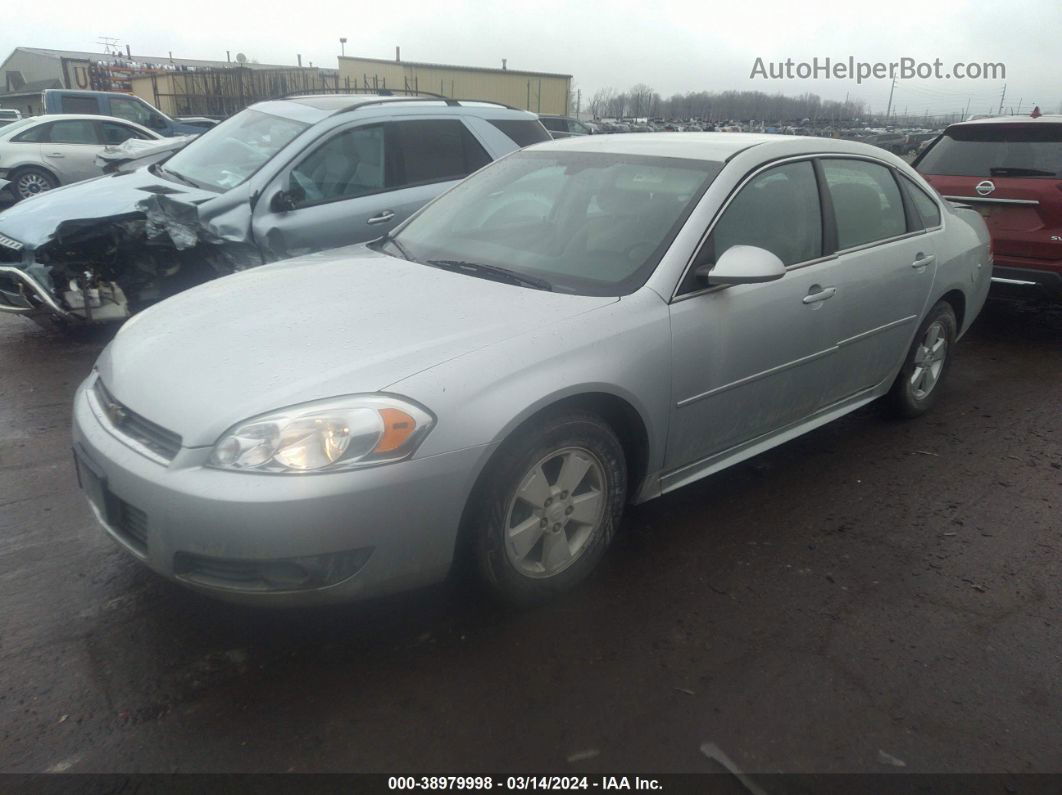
[673, 47]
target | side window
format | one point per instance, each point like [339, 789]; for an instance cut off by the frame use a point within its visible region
[522, 132]
[777, 210]
[926, 207]
[73, 131]
[114, 133]
[866, 202]
[136, 111]
[435, 151]
[34, 135]
[557, 125]
[345, 166]
[76, 104]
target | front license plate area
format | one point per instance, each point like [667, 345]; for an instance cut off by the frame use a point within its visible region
[92, 481]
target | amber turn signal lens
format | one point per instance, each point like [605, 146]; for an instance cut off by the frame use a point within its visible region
[398, 427]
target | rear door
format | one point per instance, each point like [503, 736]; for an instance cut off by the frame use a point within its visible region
[357, 182]
[887, 261]
[69, 149]
[1012, 173]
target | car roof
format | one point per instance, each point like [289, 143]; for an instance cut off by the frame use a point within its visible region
[1046, 118]
[314, 107]
[81, 117]
[714, 146]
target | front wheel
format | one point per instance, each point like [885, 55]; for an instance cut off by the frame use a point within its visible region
[917, 385]
[550, 507]
[28, 182]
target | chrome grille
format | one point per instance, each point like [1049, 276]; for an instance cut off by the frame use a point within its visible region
[10, 250]
[160, 441]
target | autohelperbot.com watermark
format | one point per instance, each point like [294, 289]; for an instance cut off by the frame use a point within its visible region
[850, 69]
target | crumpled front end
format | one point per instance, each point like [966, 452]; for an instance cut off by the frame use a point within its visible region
[101, 268]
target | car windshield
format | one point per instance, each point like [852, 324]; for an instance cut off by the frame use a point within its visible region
[583, 222]
[997, 150]
[226, 155]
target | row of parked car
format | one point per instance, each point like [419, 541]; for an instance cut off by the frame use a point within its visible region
[516, 349]
[511, 358]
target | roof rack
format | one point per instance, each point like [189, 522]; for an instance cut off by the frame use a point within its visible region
[392, 95]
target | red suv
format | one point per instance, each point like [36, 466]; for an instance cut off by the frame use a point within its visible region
[1010, 169]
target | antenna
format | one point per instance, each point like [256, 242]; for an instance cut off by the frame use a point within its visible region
[241, 58]
[109, 44]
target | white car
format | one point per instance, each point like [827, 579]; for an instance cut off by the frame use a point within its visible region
[44, 152]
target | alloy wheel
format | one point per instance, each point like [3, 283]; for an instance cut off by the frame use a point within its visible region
[31, 184]
[558, 506]
[929, 360]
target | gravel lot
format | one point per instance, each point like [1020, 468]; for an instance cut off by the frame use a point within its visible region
[873, 594]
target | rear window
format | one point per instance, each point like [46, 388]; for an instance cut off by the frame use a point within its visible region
[997, 150]
[523, 132]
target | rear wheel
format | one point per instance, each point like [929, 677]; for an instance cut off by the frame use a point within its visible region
[30, 181]
[917, 385]
[550, 507]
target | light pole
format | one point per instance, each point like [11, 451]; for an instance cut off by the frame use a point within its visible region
[342, 45]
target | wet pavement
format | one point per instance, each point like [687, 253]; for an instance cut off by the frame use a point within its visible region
[874, 594]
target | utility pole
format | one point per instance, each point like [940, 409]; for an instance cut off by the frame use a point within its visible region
[578, 102]
[1001, 96]
[889, 108]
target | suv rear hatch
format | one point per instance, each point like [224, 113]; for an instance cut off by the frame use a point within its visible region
[1011, 171]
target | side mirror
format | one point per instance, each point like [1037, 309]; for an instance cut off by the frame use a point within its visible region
[285, 201]
[743, 265]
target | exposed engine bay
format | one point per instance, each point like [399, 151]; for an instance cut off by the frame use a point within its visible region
[104, 269]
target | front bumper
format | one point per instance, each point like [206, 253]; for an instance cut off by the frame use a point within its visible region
[392, 527]
[22, 294]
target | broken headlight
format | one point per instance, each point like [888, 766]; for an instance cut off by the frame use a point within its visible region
[325, 436]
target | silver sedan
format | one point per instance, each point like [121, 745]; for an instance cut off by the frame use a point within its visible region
[44, 152]
[582, 325]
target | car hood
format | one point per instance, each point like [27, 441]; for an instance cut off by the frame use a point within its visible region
[334, 323]
[33, 222]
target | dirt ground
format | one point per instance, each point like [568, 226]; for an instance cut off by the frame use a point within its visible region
[874, 596]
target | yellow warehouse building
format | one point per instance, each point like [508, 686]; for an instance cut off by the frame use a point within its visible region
[539, 92]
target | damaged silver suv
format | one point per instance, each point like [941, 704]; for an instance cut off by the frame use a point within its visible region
[279, 179]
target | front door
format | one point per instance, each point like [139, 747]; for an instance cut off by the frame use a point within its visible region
[361, 181]
[69, 149]
[751, 359]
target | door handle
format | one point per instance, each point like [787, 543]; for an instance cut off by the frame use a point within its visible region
[820, 295]
[56, 154]
[382, 218]
[923, 260]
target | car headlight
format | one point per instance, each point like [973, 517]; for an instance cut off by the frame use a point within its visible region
[325, 436]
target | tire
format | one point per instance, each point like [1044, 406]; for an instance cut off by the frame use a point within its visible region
[535, 483]
[917, 385]
[30, 181]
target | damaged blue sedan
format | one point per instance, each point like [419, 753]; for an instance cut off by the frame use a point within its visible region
[279, 179]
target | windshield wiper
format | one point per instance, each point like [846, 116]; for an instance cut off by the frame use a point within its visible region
[491, 272]
[398, 246]
[1016, 171]
[176, 176]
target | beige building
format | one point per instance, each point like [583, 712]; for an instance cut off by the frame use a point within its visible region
[540, 92]
[222, 92]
